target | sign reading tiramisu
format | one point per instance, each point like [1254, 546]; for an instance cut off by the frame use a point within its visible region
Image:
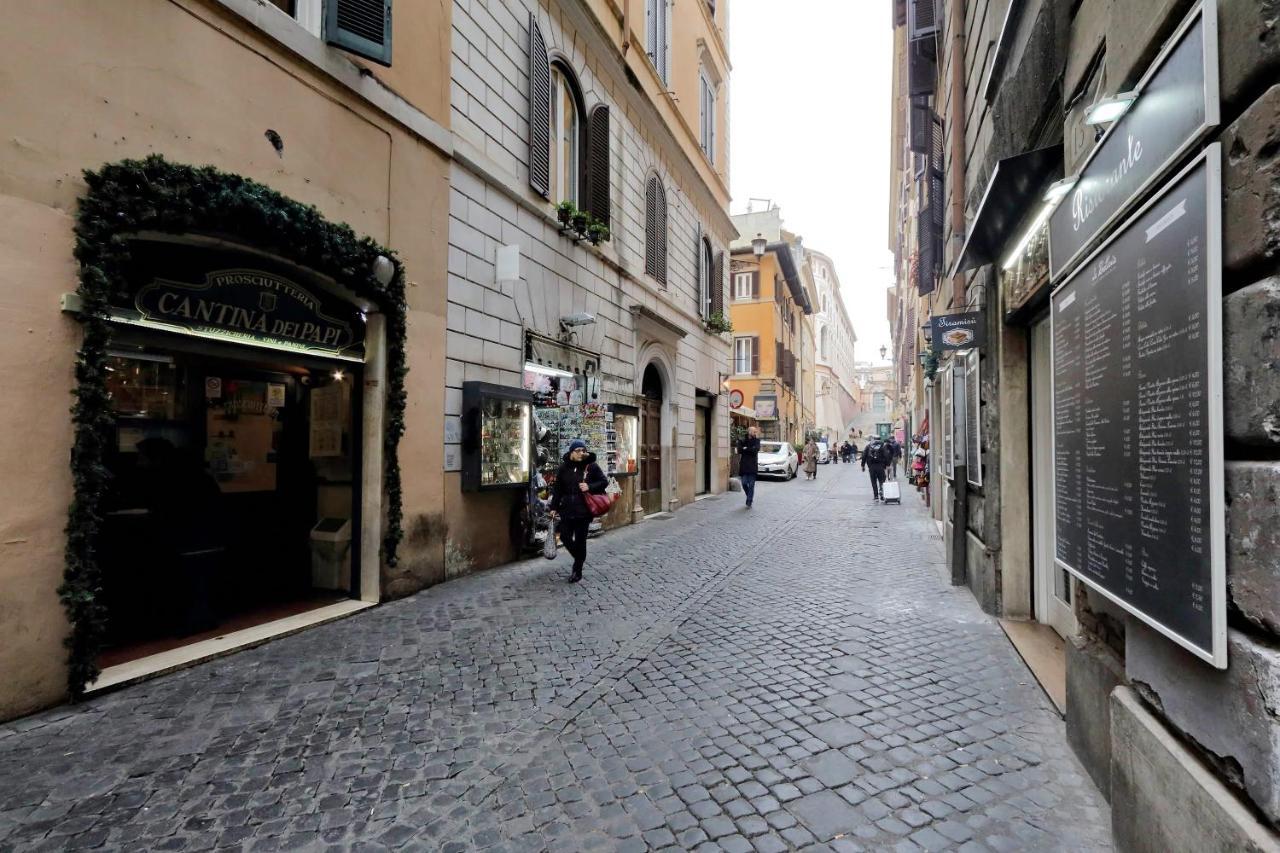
[958, 331]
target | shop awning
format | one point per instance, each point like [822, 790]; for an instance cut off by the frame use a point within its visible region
[1013, 194]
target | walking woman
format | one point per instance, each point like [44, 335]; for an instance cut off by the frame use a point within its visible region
[578, 474]
[811, 460]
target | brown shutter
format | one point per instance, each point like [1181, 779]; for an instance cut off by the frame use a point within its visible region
[596, 175]
[717, 284]
[651, 228]
[662, 235]
[539, 112]
[777, 359]
[755, 285]
[755, 356]
[698, 283]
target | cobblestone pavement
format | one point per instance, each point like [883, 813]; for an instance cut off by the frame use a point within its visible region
[796, 676]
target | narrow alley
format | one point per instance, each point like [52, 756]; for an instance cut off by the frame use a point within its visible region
[795, 676]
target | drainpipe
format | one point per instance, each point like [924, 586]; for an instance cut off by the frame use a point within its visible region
[956, 29]
[626, 27]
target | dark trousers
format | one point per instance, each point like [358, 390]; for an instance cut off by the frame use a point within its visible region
[748, 486]
[877, 480]
[573, 535]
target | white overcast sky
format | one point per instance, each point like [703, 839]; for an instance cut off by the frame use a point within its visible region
[809, 124]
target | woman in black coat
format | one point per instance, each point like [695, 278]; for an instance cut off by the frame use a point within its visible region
[577, 476]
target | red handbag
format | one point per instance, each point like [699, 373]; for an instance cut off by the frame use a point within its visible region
[599, 504]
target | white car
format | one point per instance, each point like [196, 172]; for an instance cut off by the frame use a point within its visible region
[777, 459]
[824, 455]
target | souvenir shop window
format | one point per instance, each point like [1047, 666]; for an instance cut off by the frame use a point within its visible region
[495, 447]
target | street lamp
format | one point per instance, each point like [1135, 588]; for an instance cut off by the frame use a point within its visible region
[758, 244]
[883, 350]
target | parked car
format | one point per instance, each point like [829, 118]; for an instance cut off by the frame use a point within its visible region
[778, 459]
[824, 454]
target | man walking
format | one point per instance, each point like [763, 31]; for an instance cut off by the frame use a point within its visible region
[748, 464]
[875, 458]
[895, 454]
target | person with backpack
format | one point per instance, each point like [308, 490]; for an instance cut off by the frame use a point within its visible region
[578, 476]
[749, 463]
[875, 459]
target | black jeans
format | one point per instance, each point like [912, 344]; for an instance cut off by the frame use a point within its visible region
[877, 480]
[573, 535]
[748, 486]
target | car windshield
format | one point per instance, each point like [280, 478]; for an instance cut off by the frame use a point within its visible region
[770, 447]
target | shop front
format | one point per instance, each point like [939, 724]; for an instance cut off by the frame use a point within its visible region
[235, 451]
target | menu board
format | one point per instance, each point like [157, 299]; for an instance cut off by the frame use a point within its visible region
[948, 455]
[1137, 412]
[972, 408]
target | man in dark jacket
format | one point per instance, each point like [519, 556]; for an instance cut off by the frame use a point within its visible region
[577, 476]
[876, 458]
[749, 463]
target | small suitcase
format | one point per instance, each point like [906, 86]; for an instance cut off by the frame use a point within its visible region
[891, 492]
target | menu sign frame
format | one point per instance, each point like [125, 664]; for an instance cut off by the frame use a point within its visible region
[972, 412]
[947, 454]
[1144, 144]
[1155, 545]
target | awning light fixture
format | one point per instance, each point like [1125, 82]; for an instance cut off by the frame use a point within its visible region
[1059, 189]
[1108, 110]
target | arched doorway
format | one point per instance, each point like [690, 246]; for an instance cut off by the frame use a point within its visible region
[651, 396]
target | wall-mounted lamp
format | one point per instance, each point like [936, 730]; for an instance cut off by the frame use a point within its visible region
[570, 321]
[542, 369]
[1108, 110]
[758, 244]
[883, 350]
[1059, 189]
[383, 270]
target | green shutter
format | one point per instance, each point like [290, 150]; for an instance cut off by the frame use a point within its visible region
[362, 27]
[597, 164]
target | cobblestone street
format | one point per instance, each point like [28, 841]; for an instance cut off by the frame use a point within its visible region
[797, 676]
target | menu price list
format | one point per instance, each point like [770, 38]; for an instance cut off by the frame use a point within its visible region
[1131, 370]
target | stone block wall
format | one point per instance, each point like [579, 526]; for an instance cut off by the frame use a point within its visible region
[492, 205]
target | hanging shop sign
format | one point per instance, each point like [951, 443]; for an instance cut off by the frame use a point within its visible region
[215, 294]
[1137, 413]
[1175, 106]
[965, 330]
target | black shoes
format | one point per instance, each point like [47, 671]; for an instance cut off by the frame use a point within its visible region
[576, 576]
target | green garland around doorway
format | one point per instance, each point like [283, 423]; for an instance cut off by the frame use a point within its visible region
[133, 196]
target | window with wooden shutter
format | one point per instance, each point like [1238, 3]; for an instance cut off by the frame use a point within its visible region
[658, 26]
[755, 285]
[755, 356]
[701, 274]
[362, 27]
[717, 282]
[779, 365]
[922, 18]
[597, 166]
[539, 112]
[920, 125]
[655, 237]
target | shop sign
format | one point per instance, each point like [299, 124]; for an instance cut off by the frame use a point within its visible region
[736, 399]
[253, 306]
[1175, 107]
[958, 331]
[766, 408]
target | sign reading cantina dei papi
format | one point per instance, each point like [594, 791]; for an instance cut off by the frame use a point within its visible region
[215, 294]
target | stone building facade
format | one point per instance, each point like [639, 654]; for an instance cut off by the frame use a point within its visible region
[1187, 753]
[639, 112]
[834, 344]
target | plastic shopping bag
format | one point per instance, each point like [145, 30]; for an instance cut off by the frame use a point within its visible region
[549, 549]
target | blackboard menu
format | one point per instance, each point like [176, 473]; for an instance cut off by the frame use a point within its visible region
[1137, 415]
[972, 408]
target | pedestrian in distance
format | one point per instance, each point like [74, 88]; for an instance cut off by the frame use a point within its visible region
[577, 476]
[895, 455]
[749, 463]
[811, 460]
[875, 461]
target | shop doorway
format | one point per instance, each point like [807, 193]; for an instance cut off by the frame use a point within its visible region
[651, 396]
[1051, 585]
[235, 491]
[702, 446]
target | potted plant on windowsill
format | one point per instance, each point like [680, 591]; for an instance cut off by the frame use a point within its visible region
[718, 323]
[597, 232]
[565, 211]
[581, 219]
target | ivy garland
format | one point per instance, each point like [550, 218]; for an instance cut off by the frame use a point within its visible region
[133, 196]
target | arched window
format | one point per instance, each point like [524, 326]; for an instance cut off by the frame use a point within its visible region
[655, 230]
[566, 135]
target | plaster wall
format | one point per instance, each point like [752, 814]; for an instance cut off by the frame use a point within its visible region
[210, 87]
